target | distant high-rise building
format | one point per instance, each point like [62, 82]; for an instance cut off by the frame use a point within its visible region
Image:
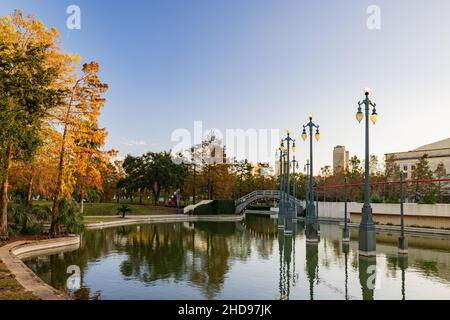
[340, 159]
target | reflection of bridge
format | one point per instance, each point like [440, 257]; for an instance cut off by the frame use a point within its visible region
[259, 195]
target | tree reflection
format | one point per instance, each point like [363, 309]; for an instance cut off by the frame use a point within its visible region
[202, 254]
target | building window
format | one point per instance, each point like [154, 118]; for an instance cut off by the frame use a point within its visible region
[413, 168]
[405, 168]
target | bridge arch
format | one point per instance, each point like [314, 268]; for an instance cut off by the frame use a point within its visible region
[245, 201]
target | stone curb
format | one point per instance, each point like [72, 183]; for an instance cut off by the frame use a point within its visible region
[386, 228]
[163, 219]
[408, 230]
[10, 255]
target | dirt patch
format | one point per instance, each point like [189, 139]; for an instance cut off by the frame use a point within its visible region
[10, 289]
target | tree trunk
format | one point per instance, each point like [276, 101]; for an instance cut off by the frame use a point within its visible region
[158, 192]
[54, 227]
[4, 196]
[81, 200]
[140, 196]
[29, 199]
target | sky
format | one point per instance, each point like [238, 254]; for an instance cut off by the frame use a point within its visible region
[263, 64]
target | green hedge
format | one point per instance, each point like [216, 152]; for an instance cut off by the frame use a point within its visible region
[216, 207]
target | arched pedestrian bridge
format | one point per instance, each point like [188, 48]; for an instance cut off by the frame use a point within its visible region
[259, 195]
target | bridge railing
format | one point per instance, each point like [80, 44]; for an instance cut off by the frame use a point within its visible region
[272, 193]
[258, 194]
[269, 193]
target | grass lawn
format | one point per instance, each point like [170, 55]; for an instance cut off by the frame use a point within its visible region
[110, 209]
[10, 289]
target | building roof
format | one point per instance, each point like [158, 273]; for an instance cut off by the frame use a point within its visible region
[442, 144]
[439, 149]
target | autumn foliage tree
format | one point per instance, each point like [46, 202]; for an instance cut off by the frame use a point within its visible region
[30, 64]
[81, 158]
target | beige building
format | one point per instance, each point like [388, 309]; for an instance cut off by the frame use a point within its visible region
[340, 159]
[437, 152]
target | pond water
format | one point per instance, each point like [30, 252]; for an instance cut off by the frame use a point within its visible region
[244, 260]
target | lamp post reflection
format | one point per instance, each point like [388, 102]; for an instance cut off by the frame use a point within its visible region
[346, 250]
[312, 262]
[403, 264]
[367, 276]
[286, 250]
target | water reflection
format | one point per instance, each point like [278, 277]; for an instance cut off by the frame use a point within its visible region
[368, 276]
[252, 259]
[346, 250]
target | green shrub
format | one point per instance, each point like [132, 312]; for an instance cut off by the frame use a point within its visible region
[34, 229]
[375, 198]
[123, 209]
[216, 207]
[70, 217]
[428, 198]
[225, 207]
[392, 199]
[206, 209]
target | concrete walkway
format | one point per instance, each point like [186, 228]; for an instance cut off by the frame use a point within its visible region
[10, 255]
[130, 220]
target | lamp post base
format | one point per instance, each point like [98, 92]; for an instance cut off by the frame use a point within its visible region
[402, 245]
[345, 235]
[367, 242]
[367, 233]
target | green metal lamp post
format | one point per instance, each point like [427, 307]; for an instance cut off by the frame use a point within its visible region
[294, 191]
[345, 231]
[402, 241]
[311, 219]
[367, 235]
[280, 204]
[288, 141]
[306, 184]
[317, 201]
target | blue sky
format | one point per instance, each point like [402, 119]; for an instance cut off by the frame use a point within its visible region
[263, 64]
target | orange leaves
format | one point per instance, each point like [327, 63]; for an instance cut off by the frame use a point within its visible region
[84, 140]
